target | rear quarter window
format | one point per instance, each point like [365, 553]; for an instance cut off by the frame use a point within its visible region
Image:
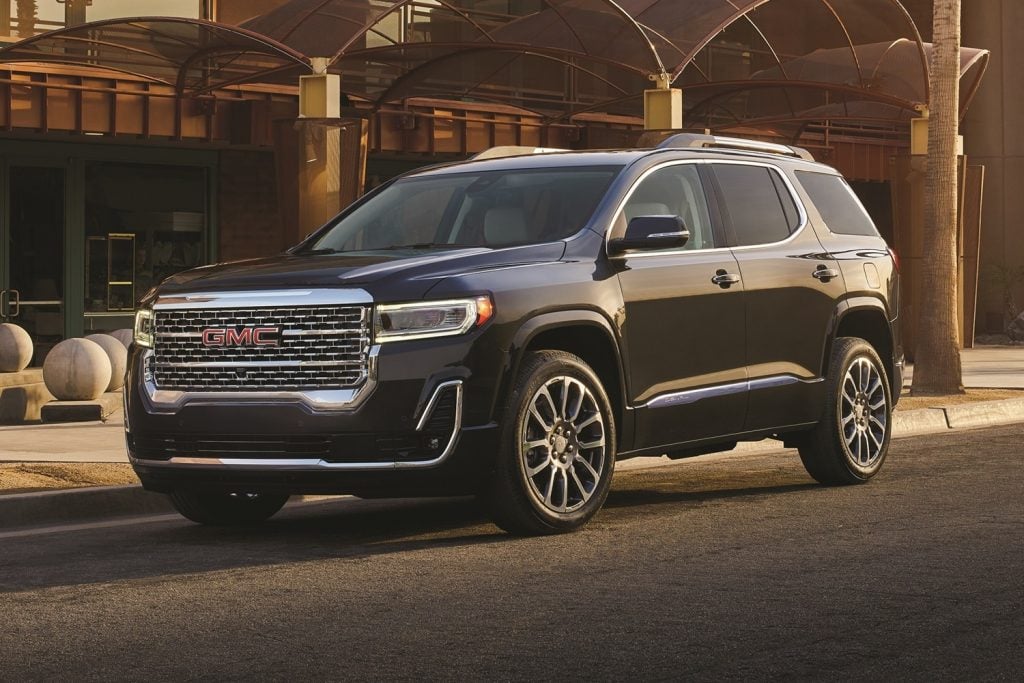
[837, 204]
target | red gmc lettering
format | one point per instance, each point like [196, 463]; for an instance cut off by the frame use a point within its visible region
[213, 337]
[242, 337]
[247, 336]
[265, 336]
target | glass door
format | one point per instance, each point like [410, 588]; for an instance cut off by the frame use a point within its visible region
[32, 287]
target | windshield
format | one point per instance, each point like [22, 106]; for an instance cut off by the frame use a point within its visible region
[484, 209]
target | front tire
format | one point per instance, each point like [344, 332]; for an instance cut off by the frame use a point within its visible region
[850, 443]
[557, 451]
[226, 509]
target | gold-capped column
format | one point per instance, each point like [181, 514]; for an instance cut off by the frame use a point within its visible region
[663, 104]
[320, 92]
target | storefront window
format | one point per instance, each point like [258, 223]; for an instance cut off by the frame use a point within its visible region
[24, 18]
[143, 223]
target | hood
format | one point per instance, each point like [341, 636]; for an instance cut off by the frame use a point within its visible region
[357, 269]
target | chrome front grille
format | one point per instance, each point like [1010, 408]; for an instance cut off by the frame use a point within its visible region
[318, 347]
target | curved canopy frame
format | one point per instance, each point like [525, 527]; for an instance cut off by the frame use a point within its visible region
[737, 60]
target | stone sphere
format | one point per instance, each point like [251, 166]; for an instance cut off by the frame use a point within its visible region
[15, 348]
[117, 354]
[77, 370]
[125, 336]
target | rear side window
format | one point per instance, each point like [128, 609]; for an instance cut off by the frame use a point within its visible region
[838, 205]
[757, 202]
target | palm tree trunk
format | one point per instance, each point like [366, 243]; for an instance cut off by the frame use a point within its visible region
[27, 10]
[937, 367]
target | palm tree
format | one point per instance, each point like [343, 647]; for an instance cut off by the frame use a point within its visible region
[26, 18]
[937, 367]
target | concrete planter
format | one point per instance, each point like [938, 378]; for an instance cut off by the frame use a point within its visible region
[15, 348]
[117, 354]
[77, 370]
[125, 336]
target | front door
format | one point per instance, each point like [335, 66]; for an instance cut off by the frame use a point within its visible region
[684, 319]
[32, 253]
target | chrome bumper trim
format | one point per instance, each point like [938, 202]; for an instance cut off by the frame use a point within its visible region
[313, 464]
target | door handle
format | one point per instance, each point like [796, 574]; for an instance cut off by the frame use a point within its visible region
[824, 273]
[4, 297]
[13, 303]
[725, 280]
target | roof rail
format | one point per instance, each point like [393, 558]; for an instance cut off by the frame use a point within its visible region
[514, 151]
[696, 140]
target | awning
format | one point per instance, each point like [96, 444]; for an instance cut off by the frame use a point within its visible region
[736, 60]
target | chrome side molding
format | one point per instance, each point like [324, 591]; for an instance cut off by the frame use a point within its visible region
[678, 398]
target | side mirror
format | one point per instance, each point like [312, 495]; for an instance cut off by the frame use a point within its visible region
[651, 232]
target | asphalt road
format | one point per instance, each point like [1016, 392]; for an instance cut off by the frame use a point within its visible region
[735, 568]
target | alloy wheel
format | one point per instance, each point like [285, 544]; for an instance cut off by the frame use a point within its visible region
[563, 453]
[864, 412]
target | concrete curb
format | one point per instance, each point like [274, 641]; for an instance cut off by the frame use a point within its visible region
[21, 510]
[78, 505]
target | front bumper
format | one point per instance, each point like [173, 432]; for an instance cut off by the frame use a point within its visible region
[419, 426]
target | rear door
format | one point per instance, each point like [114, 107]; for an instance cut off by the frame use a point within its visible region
[790, 287]
[683, 332]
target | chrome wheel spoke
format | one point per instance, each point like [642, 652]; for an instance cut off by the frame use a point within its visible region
[584, 493]
[539, 418]
[590, 468]
[532, 472]
[565, 398]
[588, 445]
[551, 487]
[551, 402]
[536, 443]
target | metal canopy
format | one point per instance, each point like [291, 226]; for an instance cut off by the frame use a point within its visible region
[783, 62]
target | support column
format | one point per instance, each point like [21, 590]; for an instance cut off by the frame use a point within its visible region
[321, 157]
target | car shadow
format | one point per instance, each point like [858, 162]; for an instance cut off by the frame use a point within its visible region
[333, 529]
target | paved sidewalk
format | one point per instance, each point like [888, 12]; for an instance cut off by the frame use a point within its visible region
[986, 367]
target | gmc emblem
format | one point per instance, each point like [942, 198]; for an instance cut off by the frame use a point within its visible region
[246, 336]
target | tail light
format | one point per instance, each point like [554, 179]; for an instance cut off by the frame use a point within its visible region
[895, 258]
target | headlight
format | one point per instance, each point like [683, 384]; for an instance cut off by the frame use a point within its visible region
[144, 327]
[393, 322]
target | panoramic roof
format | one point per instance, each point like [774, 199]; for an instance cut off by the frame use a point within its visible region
[739, 62]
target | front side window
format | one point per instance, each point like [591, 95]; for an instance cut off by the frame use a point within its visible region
[673, 191]
[759, 207]
[482, 209]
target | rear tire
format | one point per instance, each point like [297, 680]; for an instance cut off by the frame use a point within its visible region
[557, 453]
[850, 443]
[227, 509]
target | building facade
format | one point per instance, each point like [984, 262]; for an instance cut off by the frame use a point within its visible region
[110, 182]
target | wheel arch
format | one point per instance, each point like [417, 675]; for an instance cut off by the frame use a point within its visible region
[865, 318]
[584, 333]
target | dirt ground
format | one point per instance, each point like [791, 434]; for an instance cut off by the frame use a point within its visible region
[908, 402]
[27, 477]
